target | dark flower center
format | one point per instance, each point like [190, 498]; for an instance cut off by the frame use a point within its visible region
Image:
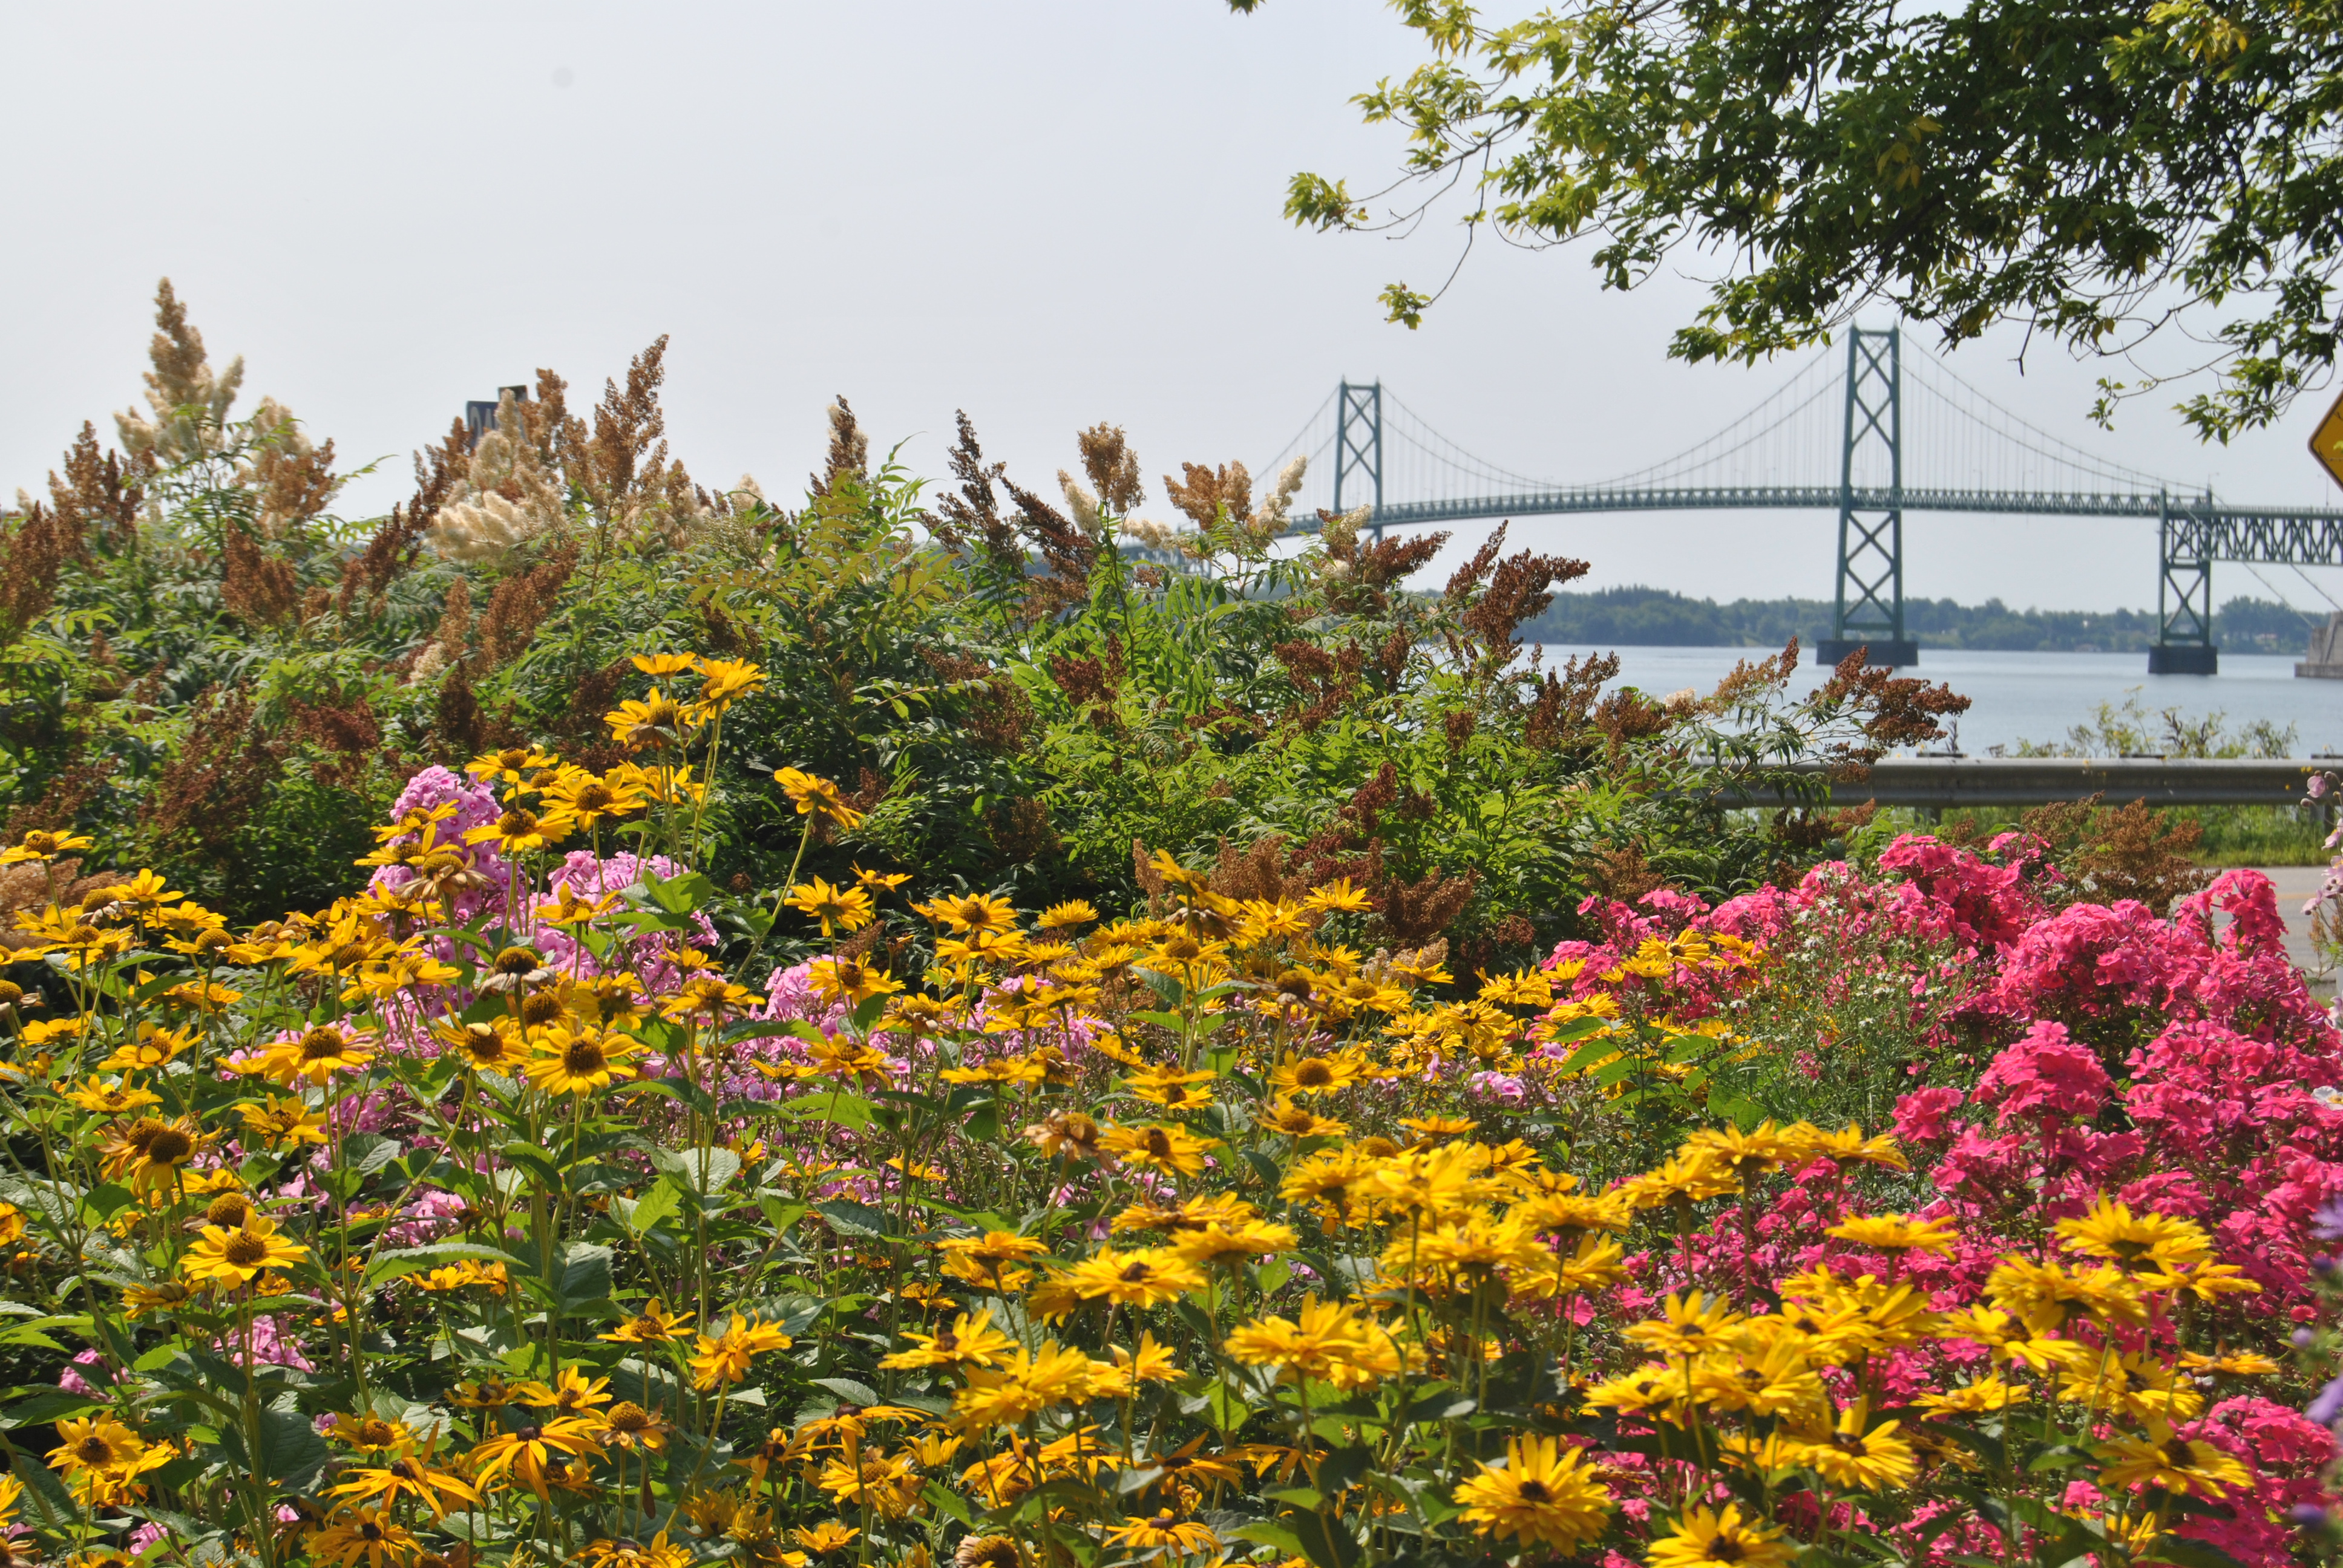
[583, 1059]
[245, 1249]
[322, 1045]
[168, 1146]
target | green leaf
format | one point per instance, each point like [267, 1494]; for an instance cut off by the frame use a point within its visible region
[2190, 1554]
[846, 1388]
[1274, 1532]
[291, 1451]
[42, 1408]
[946, 1500]
[849, 1218]
[1325, 1541]
[706, 1172]
[662, 1199]
[585, 1275]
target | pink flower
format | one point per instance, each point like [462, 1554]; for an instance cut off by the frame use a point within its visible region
[1920, 1115]
[2046, 1075]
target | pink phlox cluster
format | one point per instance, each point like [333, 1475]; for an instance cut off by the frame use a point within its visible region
[427, 1219]
[2250, 900]
[476, 805]
[1970, 899]
[2044, 1077]
[2285, 1454]
[266, 1343]
[650, 955]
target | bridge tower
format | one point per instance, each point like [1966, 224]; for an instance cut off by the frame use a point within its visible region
[1359, 448]
[2183, 590]
[1869, 608]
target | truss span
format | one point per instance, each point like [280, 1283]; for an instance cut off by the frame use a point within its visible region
[2283, 535]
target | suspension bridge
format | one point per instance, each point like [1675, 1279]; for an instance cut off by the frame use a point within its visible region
[1858, 438]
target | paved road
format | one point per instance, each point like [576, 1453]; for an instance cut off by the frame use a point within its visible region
[2296, 885]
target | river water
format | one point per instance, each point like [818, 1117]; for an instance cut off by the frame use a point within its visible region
[2038, 696]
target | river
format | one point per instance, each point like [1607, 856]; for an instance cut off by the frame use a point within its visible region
[2038, 696]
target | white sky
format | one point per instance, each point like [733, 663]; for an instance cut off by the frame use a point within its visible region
[1047, 214]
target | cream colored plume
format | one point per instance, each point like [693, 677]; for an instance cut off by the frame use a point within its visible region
[186, 401]
[1270, 521]
[506, 498]
[1081, 503]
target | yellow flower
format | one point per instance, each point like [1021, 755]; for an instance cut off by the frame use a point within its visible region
[231, 1256]
[1164, 1532]
[725, 1359]
[514, 765]
[660, 665]
[1850, 1458]
[1157, 1147]
[581, 1059]
[40, 845]
[97, 1443]
[408, 1474]
[119, 1098]
[1339, 896]
[1064, 917]
[316, 1055]
[656, 1552]
[1140, 1279]
[280, 1121]
[1021, 1387]
[1693, 1325]
[2172, 1463]
[726, 681]
[2147, 1244]
[1982, 1397]
[654, 721]
[851, 980]
[830, 1535]
[970, 1341]
[368, 1535]
[1316, 1074]
[1703, 1539]
[847, 908]
[817, 797]
[1329, 1341]
[517, 831]
[579, 800]
[653, 1325]
[151, 1154]
[1546, 1494]
[1897, 1233]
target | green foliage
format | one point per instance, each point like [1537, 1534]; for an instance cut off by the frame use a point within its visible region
[2098, 173]
[215, 675]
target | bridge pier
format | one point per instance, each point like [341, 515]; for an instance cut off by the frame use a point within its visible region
[2185, 549]
[2184, 658]
[1892, 653]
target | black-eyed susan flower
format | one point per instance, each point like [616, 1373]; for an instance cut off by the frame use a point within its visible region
[579, 1060]
[1546, 1494]
[1703, 1538]
[233, 1257]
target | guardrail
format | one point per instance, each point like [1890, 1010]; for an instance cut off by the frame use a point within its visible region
[1999, 781]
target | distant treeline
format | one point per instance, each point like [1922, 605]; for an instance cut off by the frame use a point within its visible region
[1652, 618]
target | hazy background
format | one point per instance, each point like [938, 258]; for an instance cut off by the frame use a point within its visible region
[1047, 214]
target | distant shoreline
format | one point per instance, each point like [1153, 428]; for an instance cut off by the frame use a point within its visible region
[1654, 618]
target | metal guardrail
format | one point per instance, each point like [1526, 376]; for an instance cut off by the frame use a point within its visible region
[1996, 781]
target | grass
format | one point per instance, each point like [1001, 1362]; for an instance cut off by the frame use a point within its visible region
[2233, 835]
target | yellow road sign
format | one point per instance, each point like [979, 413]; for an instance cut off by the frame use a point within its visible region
[2326, 442]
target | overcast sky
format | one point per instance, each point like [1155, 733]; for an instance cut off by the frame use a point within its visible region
[1045, 214]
